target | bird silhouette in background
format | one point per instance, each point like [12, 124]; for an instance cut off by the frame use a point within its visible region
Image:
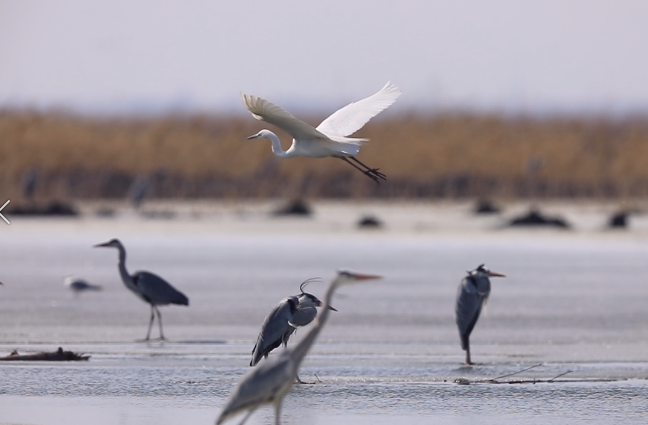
[79, 285]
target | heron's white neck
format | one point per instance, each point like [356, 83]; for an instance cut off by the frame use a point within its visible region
[276, 146]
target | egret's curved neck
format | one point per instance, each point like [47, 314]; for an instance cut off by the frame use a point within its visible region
[276, 146]
[301, 349]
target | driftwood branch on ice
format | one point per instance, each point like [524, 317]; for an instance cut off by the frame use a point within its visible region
[58, 355]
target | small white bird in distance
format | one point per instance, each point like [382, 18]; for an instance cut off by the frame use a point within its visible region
[329, 139]
[79, 285]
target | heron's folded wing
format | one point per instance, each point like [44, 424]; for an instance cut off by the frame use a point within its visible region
[355, 115]
[468, 305]
[157, 290]
[275, 325]
[266, 111]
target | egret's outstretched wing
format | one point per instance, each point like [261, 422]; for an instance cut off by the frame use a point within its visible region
[266, 111]
[355, 115]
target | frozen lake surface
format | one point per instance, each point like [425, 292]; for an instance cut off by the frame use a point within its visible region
[573, 302]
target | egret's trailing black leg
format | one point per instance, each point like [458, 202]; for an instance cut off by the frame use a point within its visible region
[366, 173]
[373, 171]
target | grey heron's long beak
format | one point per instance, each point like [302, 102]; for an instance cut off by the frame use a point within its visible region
[319, 304]
[358, 276]
[495, 274]
[254, 136]
[99, 245]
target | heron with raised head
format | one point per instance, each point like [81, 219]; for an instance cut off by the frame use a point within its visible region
[291, 313]
[330, 138]
[149, 287]
[78, 286]
[472, 295]
[269, 382]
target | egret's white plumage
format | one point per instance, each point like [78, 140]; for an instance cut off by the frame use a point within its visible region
[330, 138]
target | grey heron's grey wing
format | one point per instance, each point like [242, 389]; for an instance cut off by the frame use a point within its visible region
[260, 385]
[468, 306]
[158, 291]
[303, 316]
[275, 330]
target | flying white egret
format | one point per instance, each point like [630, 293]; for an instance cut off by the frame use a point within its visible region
[269, 382]
[329, 139]
[149, 287]
[473, 293]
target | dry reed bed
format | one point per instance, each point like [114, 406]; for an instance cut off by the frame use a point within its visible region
[441, 155]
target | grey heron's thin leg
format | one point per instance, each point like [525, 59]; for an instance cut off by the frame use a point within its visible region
[299, 381]
[278, 412]
[148, 334]
[373, 171]
[366, 173]
[247, 416]
[468, 354]
[159, 315]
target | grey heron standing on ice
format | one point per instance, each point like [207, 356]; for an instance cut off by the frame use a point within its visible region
[291, 313]
[149, 287]
[473, 293]
[269, 382]
[330, 138]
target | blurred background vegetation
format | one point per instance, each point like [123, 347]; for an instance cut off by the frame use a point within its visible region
[435, 156]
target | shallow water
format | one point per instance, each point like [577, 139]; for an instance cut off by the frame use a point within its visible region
[572, 302]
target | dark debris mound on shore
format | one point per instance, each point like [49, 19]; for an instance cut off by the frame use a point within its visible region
[297, 207]
[56, 208]
[58, 355]
[536, 218]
